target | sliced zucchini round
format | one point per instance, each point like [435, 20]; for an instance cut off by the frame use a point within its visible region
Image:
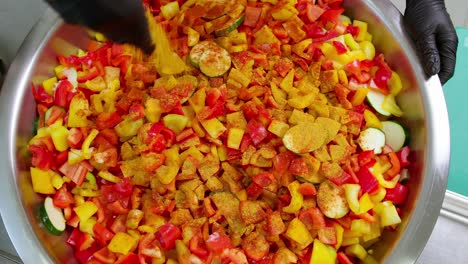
[372, 139]
[376, 100]
[229, 26]
[198, 50]
[52, 217]
[215, 62]
[331, 199]
[395, 134]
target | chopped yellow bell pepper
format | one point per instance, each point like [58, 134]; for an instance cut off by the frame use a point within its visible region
[59, 134]
[128, 127]
[58, 70]
[213, 127]
[394, 84]
[172, 156]
[75, 156]
[57, 180]
[339, 235]
[122, 243]
[359, 96]
[87, 226]
[365, 203]
[352, 194]
[97, 84]
[278, 94]
[372, 120]
[170, 10]
[49, 85]
[235, 136]
[153, 110]
[192, 151]
[362, 29]
[278, 128]
[368, 48]
[377, 172]
[322, 254]
[166, 174]
[192, 37]
[350, 42]
[360, 226]
[379, 195]
[298, 232]
[85, 211]
[349, 241]
[108, 176]
[297, 199]
[42, 181]
[356, 250]
[85, 148]
[389, 104]
[265, 36]
[374, 233]
[133, 218]
[284, 13]
[389, 216]
[79, 111]
[287, 82]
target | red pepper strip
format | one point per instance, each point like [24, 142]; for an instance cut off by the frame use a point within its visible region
[75, 172]
[85, 241]
[101, 217]
[344, 178]
[218, 242]
[64, 88]
[332, 15]
[63, 198]
[398, 194]
[74, 237]
[343, 259]
[395, 169]
[340, 47]
[367, 181]
[403, 156]
[89, 75]
[167, 235]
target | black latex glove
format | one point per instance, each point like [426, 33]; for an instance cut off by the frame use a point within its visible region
[121, 21]
[436, 40]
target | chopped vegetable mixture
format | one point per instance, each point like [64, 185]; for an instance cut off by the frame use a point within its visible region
[258, 132]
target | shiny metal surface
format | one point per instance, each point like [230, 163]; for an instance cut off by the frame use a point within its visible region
[422, 101]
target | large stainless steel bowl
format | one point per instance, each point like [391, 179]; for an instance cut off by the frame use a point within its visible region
[423, 103]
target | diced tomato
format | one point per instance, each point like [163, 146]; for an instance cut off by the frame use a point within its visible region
[257, 131]
[367, 181]
[343, 259]
[299, 167]
[252, 15]
[403, 156]
[107, 120]
[102, 234]
[217, 242]
[398, 194]
[167, 235]
[63, 198]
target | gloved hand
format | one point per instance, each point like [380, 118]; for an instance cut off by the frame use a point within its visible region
[436, 40]
[121, 21]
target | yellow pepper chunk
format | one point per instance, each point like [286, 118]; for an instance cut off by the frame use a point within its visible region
[278, 128]
[128, 127]
[57, 180]
[339, 235]
[166, 174]
[287, 83]
[352, 194]
[394, 84]
[108, 176]
[79, 111]
[297, 199]
[49, 85]
[213, 127]
[59, 135]
[235, 136]
[85, 210]
[87, 226]
[379, 195]
[365, 203]
[85, 148]
[362, 29]
[122, 243]
[42, 181]
[359, 96]
[372, 120]
[322, 254]
[356, 250]
[389, 216]
[298, 232]
[175, 122]
[360, 226]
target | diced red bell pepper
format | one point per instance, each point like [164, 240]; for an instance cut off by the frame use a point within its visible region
[367, 181]
[366, 158]
[343, 259]
[312, 217]
[136, 111]
[42, 158]
[332, 15]
[197, 246]
[314, 31]
[119, 224]
[105, 256]
[101, 215]
[252, 15]
[130, 258]
[398, 194]
[74, 237]
[257, 131]
[340, 47]
[84, 256]
[86, 241]
[403, 156]
[62, 93]
[283, 66]
[76, 172]
[307, 188]
[89, 75]
[167, 235]
[117, 207]
[299, 167]
[354, 67]
[254, 190]
[102, 234]
[395, 169]
[344, 178]
[107, 120]
[63, 198]
[282, 161]
[124, 187]
[122, 61]
[217, 242]
[382, 76]
[353, 30]
[55, 114]
[61, 158]
[313, 12]
[264, 179]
